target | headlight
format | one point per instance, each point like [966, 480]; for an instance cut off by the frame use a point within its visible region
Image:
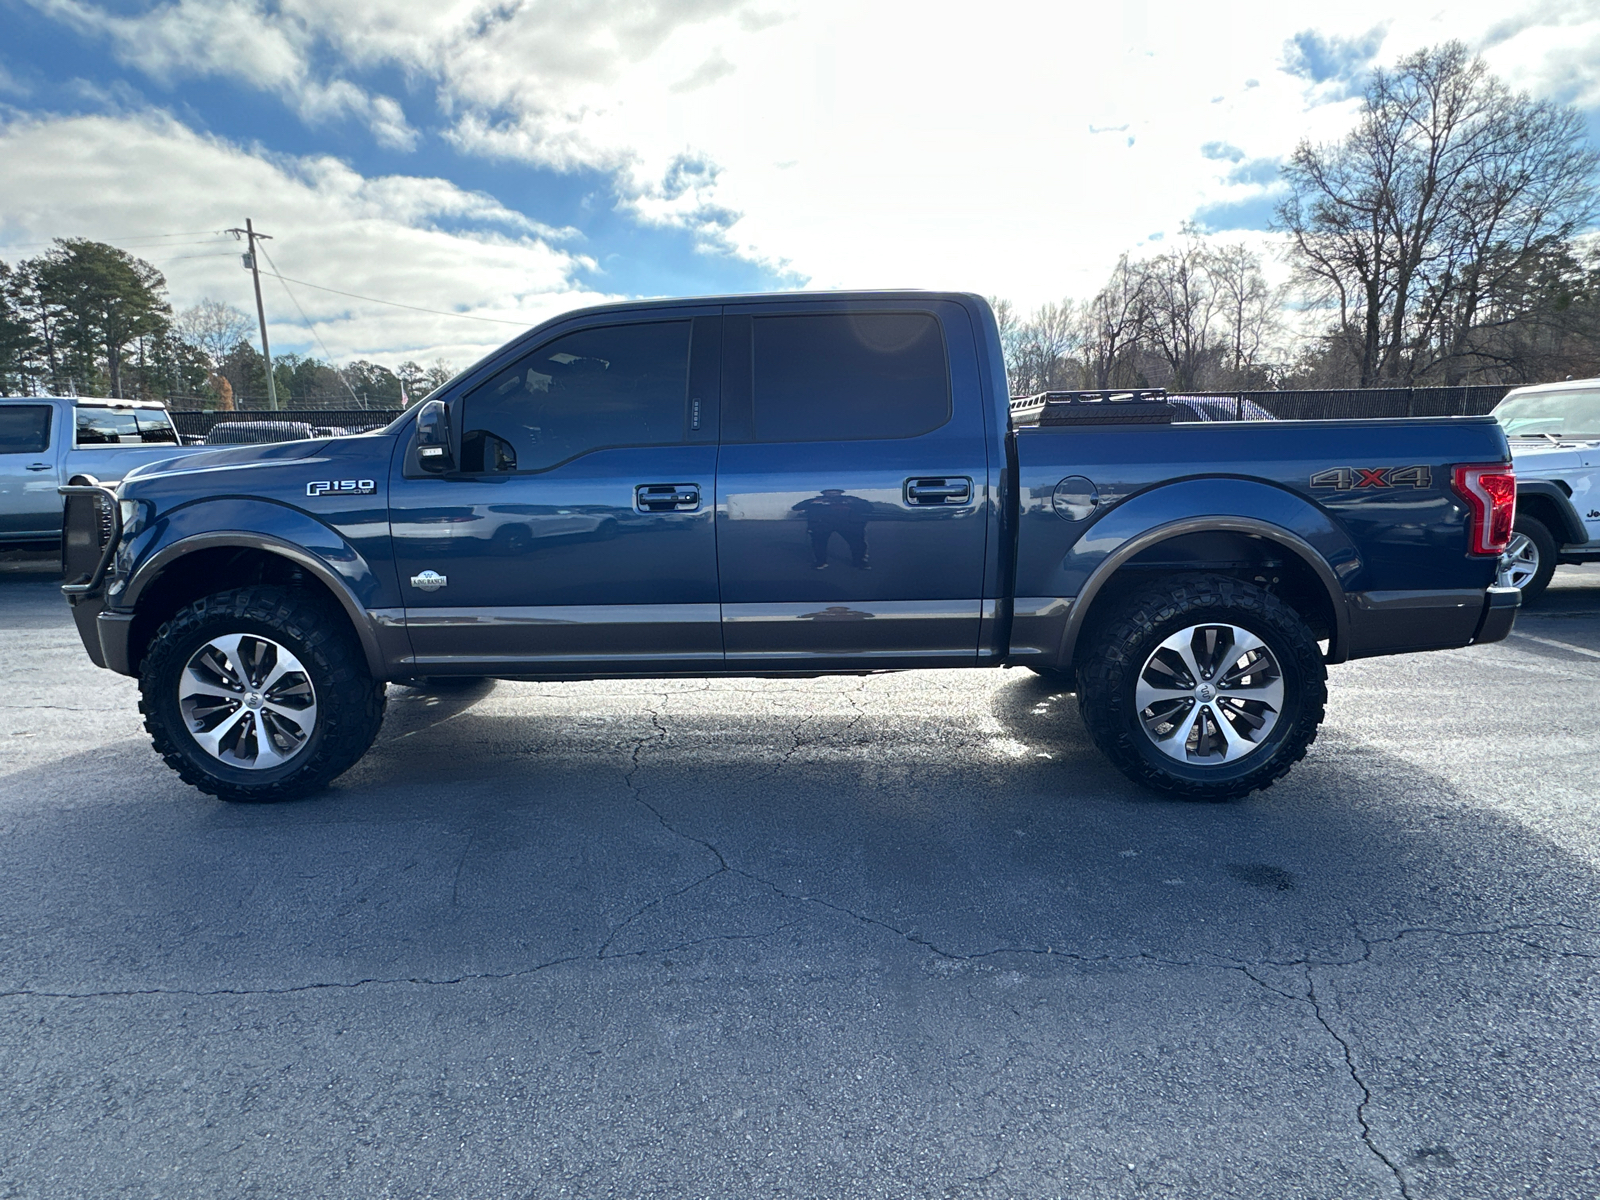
[133, 517]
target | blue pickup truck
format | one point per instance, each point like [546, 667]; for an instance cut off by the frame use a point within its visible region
[787, 485]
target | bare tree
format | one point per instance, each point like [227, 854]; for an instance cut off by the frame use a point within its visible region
[1111, 326]
[1180, 309]
[1045, 344]
[1247, 311]
[215, 328]
[1432, 208]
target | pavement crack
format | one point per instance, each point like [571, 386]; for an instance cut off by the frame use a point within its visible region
[1355, 1074]
[295, 989]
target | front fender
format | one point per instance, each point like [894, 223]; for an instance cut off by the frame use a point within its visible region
[241, 522]
[1064, 578]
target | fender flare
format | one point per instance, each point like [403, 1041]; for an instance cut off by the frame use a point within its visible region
[1338, 649]
[151, 569]
[1572, 531]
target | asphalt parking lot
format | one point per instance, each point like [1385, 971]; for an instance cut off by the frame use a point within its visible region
[906, 935]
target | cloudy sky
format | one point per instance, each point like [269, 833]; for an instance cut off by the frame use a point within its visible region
[507, 159]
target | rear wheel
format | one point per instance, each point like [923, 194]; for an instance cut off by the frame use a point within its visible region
[258, 693]
[1530, 558]
[1206, 688]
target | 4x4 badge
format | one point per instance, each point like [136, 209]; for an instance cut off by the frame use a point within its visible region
[1345, 479]
[429, 581]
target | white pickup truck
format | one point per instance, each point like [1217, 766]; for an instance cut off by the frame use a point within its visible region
[1554, 430]
[46, 441]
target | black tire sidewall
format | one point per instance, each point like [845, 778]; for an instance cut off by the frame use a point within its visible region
[169, 670]
[1544, 541]
[349, 704]
[1277, 641]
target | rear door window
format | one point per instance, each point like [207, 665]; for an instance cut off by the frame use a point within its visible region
[848, 377]
[24, 428]
[616, 385]
[124, 426]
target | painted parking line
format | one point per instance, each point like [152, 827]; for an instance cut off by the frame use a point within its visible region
[1528, 637]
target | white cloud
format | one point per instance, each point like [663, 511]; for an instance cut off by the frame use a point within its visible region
[237, 39]
[1015, 148]
[127, 179]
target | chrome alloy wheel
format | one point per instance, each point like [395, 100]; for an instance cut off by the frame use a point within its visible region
[1209, 694]
[1520, 562]
[247, 701]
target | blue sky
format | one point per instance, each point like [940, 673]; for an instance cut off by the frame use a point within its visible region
[505, 162]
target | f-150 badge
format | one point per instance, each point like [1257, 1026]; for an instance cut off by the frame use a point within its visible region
[429, 581]
[341, 487]
[1347, 478]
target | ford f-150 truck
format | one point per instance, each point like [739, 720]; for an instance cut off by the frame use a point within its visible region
[46, 441]
[788, 485]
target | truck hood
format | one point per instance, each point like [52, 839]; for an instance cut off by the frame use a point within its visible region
[1535, 456]
[229, 458]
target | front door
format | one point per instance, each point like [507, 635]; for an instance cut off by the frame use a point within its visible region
[29, 504]
[852, 497]
[577, 536]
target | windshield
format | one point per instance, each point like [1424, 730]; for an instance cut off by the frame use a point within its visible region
[1574, 414]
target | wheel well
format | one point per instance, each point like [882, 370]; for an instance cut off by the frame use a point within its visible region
[1543, 509]
[214, 569]
[1250, 558]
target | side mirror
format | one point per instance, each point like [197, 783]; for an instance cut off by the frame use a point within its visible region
[433, 437]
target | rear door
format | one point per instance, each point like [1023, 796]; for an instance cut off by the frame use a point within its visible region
[577, 536]
[851, 488]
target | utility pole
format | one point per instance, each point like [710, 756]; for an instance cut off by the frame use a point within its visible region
[250, 234]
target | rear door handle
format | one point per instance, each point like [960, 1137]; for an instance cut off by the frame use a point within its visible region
[38, 466]
[666, 497]
[927, 492]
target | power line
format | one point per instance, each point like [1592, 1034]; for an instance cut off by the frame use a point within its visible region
[132, 237]
[310, 324]
[396, 304]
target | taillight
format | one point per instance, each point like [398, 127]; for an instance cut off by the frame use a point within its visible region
[1490, 490]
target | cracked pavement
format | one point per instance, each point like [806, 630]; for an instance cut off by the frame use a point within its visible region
[902, 935]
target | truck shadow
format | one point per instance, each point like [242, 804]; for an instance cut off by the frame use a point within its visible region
[474, 842]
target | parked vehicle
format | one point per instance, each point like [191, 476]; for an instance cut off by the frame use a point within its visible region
[1218, 408]
[255, 433]
[45, 441]
[788, 485]
[1554, 430]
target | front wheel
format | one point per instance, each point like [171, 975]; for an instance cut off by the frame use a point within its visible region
[258, 693]
[1206, 688]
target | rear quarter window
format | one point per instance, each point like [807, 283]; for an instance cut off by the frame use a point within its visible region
[849, 376]
[124, 426]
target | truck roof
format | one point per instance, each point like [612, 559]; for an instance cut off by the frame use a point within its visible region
[86, 401]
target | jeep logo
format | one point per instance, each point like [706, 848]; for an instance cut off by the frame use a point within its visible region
[341, 487]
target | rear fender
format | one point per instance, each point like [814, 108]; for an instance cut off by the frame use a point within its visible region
[1144, 521]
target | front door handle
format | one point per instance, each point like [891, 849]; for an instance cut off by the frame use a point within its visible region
[666, 497]
[938, 490]
[38, 466]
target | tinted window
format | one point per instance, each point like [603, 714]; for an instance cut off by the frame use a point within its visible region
[24, 428]
[121, 426]
[620, 385]
[844, 376]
